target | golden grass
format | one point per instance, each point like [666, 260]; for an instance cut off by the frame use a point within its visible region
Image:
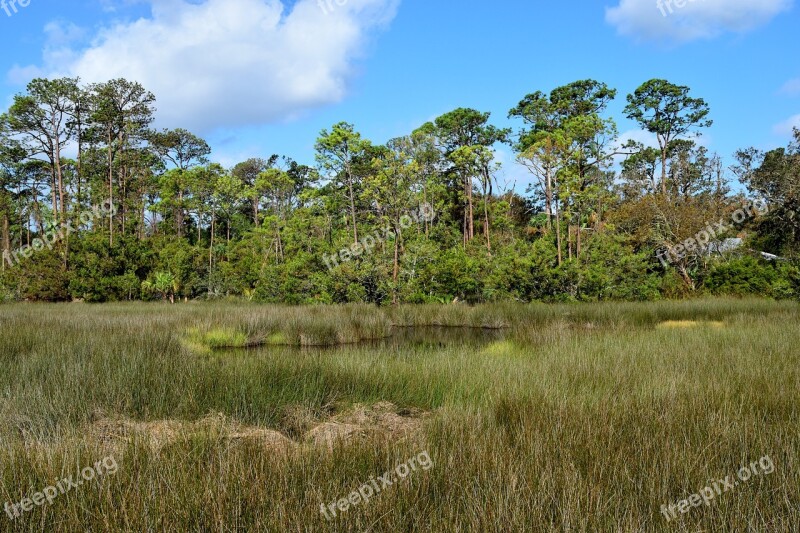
[685, 324]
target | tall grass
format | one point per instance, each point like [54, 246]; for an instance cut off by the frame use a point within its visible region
[579, 418]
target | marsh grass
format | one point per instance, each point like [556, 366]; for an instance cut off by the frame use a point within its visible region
[581, 418]
[205, 341]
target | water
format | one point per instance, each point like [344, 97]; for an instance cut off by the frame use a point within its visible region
[413, 338]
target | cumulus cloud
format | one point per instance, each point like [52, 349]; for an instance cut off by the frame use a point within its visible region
[787, 126]
[791, 87]
[511, 175]
[637, 135]
[229, 63]
[649, 139]
[664, 20]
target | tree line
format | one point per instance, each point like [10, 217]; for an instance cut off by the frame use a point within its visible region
[591, 227]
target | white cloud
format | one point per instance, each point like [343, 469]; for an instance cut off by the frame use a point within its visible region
[786, 127]
[663, 20]
[512, 175]
[637, 135]
[649, 139]
[229, 63]
[791, 87]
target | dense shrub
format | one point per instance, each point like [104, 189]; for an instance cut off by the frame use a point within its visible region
[749, 275]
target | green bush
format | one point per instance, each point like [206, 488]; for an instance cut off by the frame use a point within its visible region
[749, 275]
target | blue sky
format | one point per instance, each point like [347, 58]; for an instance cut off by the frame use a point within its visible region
[256, 77]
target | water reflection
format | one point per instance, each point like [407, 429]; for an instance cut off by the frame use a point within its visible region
[433, 337]
[425, 337]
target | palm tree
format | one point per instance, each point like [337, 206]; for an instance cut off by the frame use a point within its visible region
[164, 284]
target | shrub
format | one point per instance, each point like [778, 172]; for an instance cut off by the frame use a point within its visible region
[748, 275]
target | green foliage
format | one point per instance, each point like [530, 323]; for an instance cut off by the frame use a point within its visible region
[616, 272]
[349, 231]
[748, 275]
[101, 273]
[45, 277]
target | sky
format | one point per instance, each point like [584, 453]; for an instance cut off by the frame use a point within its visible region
[262, 77]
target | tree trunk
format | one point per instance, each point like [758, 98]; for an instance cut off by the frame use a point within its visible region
[352, 207]
[143, 213]
[465, 225]
[471, 218]
[487, 194]
[79, 164]
[179, 213]
[558, 235]
[60, 181]
[37, 219]
[5, 236]
[686, 277]
[123, 184]
[396, 271]
[425, 200]
[548, 195]
[53, 194]
[569, 238]
[280, 243]
[110, 192]
[211, 246]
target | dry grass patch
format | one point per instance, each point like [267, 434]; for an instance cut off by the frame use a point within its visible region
[381, 421]
[687, 324]
[115, 433]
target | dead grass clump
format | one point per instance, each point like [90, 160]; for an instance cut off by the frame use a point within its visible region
[382, 420]
[297, 420]
[116, 433]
